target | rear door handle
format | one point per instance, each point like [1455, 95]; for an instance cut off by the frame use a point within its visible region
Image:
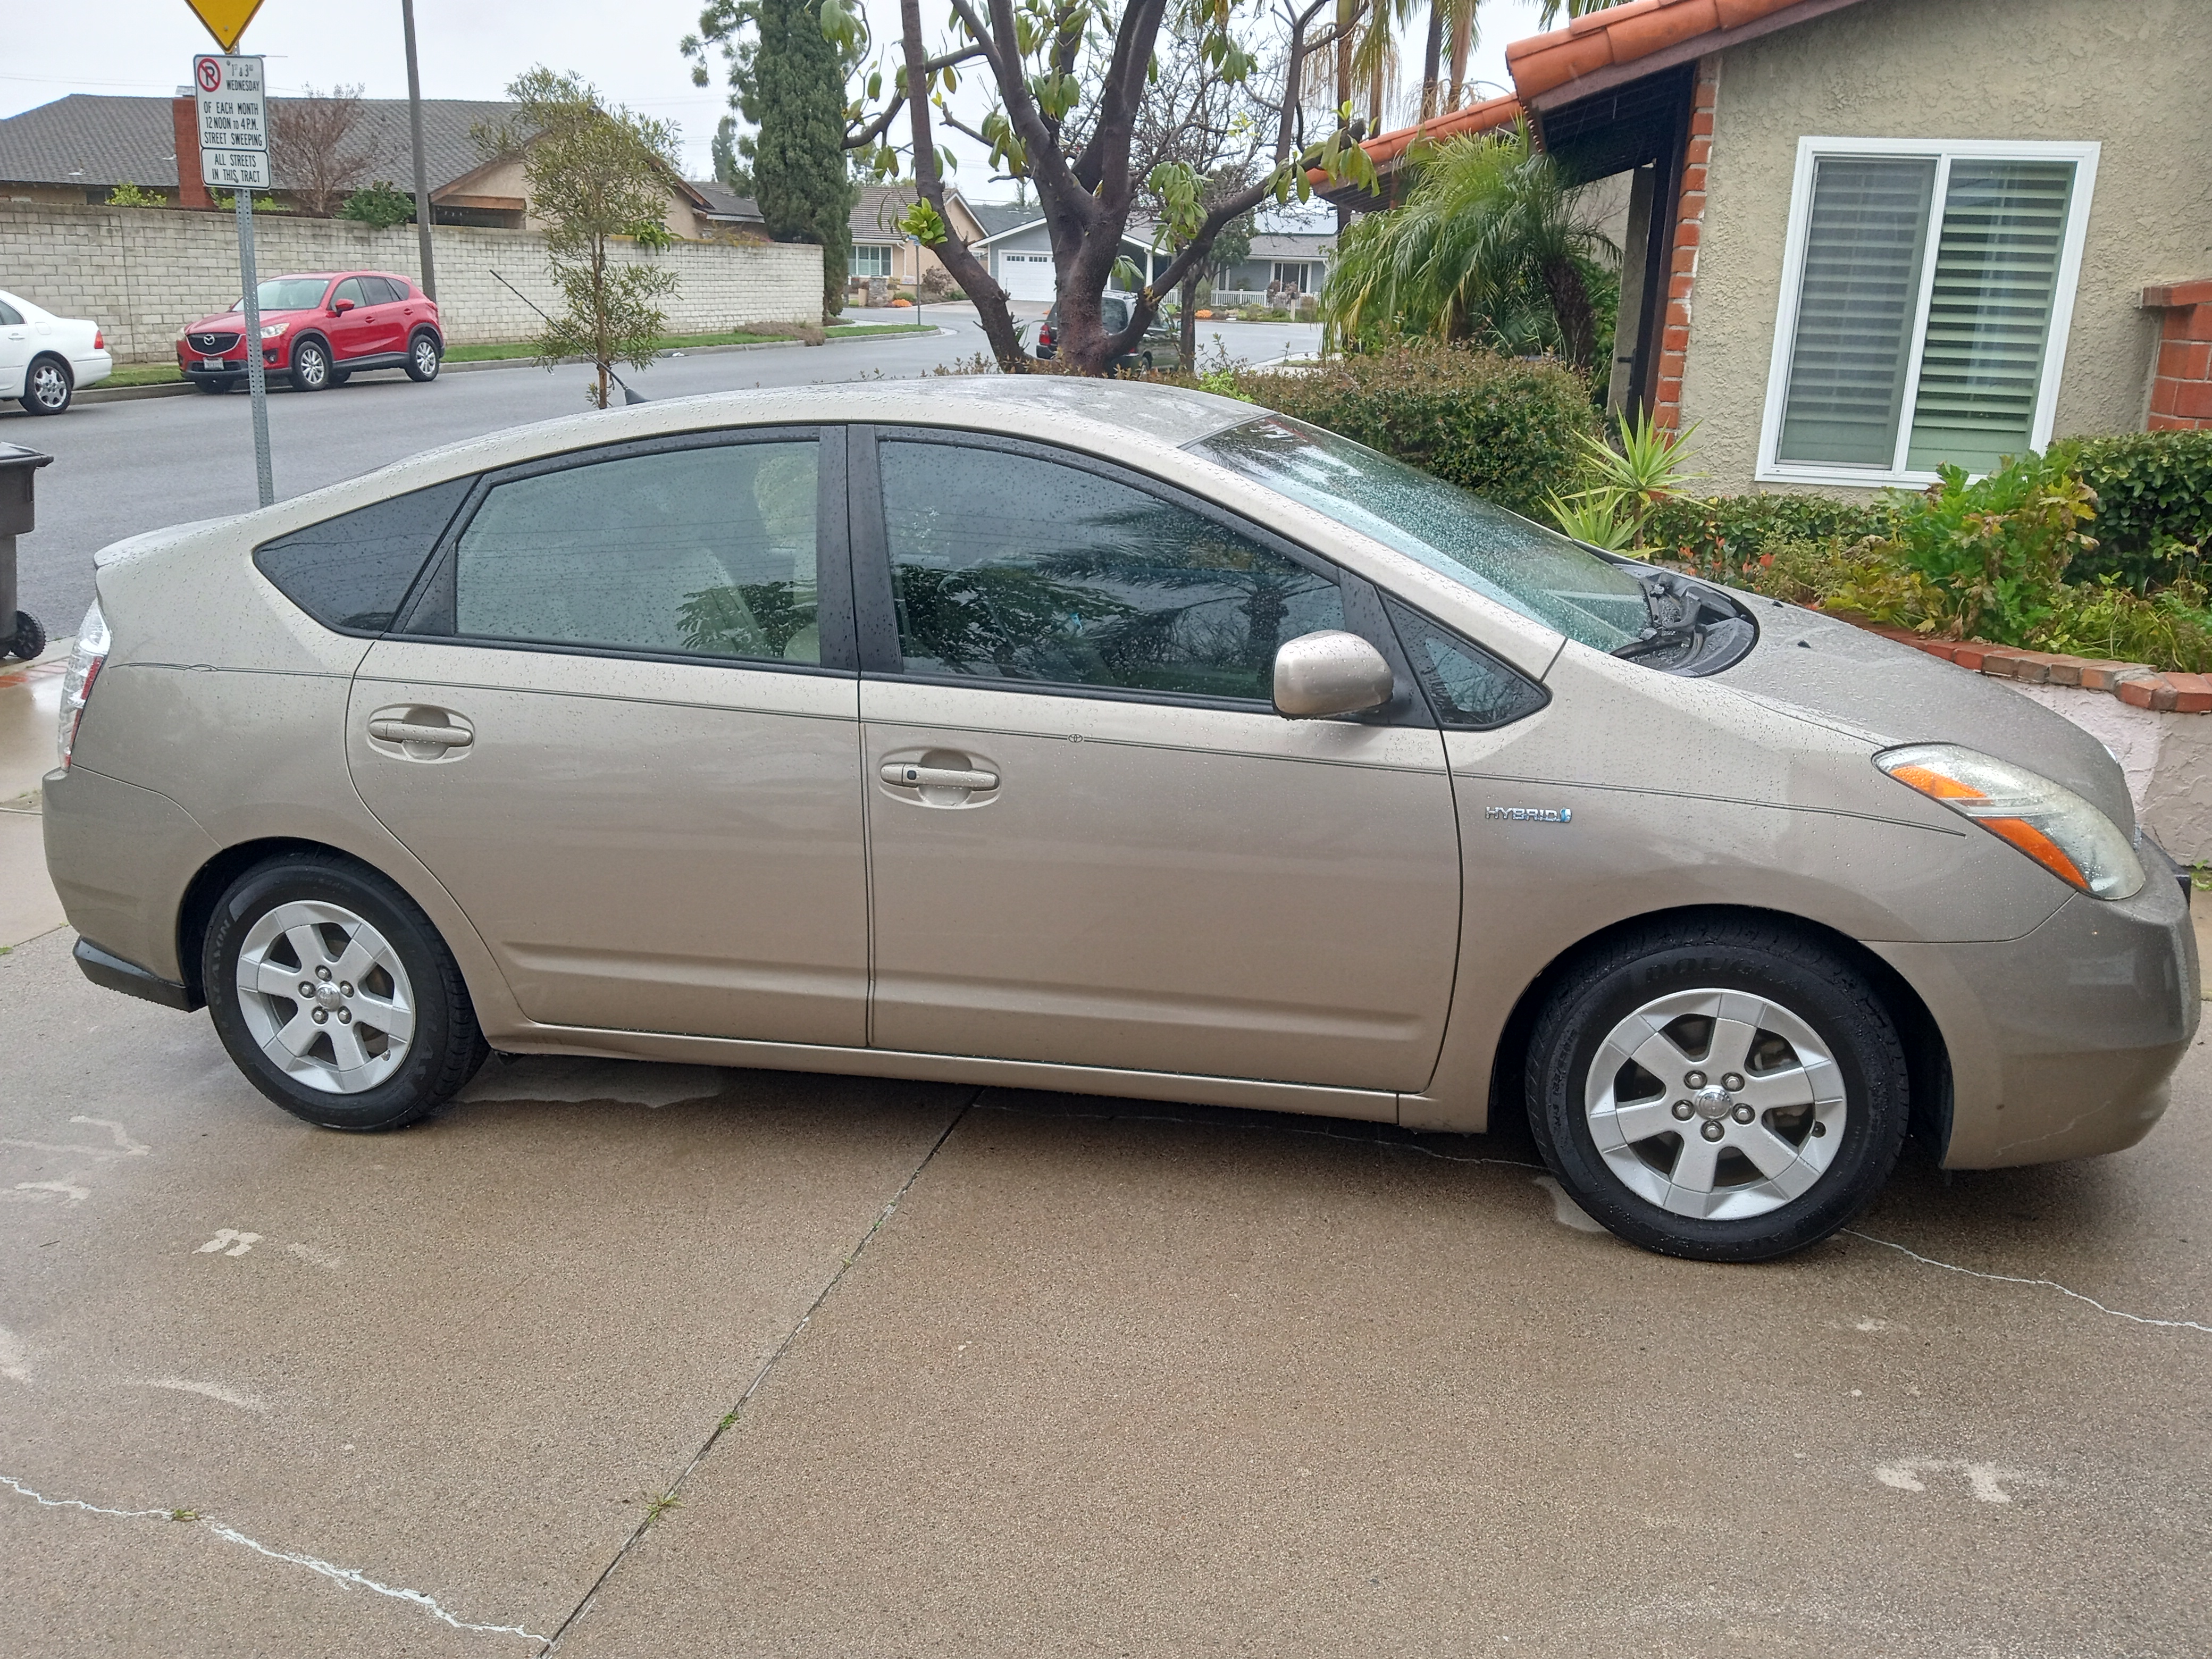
[909, 776]
[442, 737]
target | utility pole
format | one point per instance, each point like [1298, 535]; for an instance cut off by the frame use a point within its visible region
[422, 176]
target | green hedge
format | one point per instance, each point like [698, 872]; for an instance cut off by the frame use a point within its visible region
[1725, 532]
[2154, 489]
[1508, 430]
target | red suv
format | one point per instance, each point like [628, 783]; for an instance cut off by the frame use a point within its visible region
[320, 330]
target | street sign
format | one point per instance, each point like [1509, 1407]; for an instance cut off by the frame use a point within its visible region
[226, 20]
[234, 122]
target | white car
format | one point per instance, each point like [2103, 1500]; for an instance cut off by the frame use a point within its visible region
[45, 358]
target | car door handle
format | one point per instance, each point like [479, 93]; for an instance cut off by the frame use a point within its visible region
[909, 776]
[442, 737]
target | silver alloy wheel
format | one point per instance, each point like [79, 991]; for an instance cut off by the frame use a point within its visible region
[1720, 1105]
[426, 355]
[50, 386]
[312, 366]
[325, 996]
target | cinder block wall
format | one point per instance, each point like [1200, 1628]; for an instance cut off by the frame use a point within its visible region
[143, 273]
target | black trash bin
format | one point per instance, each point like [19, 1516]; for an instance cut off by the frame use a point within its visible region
[20, 633]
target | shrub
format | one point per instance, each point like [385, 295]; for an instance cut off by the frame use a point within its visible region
[132, 196]
[1723, 536]
[2154, 504]
[381, 204]
[1509, 430]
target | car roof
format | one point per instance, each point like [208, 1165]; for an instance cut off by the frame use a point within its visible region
[1104, 418]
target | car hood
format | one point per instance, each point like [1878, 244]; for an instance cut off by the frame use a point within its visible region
[1852, 680]
[235, 321]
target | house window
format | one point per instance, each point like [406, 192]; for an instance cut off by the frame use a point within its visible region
[871, 259]
[1293, 275]
[1926, 292]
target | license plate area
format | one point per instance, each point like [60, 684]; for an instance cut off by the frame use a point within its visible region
[211, 362]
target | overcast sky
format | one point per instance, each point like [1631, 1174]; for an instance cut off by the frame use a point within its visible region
[470, 49]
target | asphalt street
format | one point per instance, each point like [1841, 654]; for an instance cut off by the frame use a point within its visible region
[671, 1360]
[126, 467]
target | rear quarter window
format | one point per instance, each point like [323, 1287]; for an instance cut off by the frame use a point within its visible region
[351, 572]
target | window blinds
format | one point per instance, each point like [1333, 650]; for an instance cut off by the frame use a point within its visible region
[1988, 314]
[1864, 245]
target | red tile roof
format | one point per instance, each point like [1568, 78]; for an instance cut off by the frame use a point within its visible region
[1596, 41]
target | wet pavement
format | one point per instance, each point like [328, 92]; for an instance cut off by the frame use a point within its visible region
[663, 1360]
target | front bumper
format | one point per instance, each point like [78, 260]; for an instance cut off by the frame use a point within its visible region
[193, 366]
[2063, 1042]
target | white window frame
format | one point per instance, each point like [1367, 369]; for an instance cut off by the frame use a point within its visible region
[891, 258]
[1943, 151]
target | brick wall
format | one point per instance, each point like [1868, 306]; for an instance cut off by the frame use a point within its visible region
[2181, 393]
[1689, 229]
[143, 273]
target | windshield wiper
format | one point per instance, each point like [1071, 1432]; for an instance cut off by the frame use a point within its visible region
[1673, 605]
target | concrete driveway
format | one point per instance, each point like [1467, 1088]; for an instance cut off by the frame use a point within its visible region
[930, 1371]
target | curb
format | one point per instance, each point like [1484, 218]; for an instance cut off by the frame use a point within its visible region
[121, 394]
[2136, 684]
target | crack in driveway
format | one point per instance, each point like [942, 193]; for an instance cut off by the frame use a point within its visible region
[668, 1499]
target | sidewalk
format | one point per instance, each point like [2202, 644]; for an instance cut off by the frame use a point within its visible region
[30, 699]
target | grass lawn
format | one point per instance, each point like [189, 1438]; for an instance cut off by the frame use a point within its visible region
[163, 374]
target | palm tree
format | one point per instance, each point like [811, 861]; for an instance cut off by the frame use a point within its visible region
[1490, 244]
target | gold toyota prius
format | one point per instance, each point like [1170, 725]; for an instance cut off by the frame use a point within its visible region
[1106, 737]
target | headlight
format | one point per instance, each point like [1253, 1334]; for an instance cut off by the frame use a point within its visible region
[271, 331]
[84, 664]
[2051, 824]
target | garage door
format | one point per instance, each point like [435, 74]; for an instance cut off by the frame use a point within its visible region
[1026, 276]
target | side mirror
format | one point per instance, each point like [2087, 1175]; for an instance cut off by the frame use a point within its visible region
[339, 307]
[1329, 673]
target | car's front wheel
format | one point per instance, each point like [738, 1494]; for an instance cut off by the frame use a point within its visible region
[311, 366]
[1728, 1089]
[335, 996]
[48, 387]
[424, 356]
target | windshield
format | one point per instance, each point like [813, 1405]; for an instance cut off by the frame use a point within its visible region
[1501, 555]
[290, 293]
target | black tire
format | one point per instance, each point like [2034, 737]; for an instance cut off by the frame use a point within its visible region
[30, 637]
[447, 1046]
[424, 355]
[311, 366]
[221, 385]
[1772, 960]
[49, 388]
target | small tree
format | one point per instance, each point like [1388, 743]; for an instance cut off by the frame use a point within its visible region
[383, 204]
[317, 143]
[787, 78]
[595, 175]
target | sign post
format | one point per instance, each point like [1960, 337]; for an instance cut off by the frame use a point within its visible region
[234, 152]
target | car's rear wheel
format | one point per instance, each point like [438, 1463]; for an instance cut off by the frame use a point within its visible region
[335, 996]
[311, 366]
[48, 388]
[1727, 1090]
[424, 356]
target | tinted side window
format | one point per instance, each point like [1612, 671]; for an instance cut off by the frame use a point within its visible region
[9, 317]
[382, 290]
[706, 552]
[352, 571]
[1466, 686]
[351, 290]
[1011, 567]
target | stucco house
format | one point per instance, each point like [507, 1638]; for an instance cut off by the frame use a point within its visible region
[880, 248]
[75, 150]
[1283, 262]
[1866, 237]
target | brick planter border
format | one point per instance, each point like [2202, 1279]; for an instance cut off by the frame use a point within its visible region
[2136, 684]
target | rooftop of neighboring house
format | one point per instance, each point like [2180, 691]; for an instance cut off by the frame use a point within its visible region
[723, 205]
[97, 141]
[1292, 244]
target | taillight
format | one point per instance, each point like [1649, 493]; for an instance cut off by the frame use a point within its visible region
[84, 665]
[98, 340]
[1044, 335]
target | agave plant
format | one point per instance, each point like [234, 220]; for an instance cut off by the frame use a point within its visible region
[1649, 465]
[1592, 516]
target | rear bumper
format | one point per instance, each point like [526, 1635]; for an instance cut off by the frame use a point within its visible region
[2063, 1042]
[92, 368]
